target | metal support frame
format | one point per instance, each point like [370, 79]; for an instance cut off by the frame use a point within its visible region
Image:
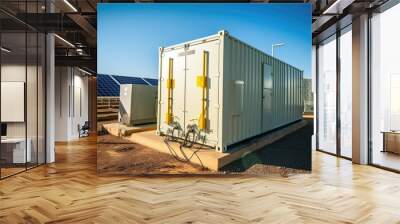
[26, 90]
[369, 101]
[338, 75]
[316, 96]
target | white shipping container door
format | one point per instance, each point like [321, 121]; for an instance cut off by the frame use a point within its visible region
[178, 92]
[194, 97]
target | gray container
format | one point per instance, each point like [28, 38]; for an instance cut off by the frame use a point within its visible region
[138, 104]
[244, 92]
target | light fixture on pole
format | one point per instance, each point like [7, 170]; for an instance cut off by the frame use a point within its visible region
[276, 45]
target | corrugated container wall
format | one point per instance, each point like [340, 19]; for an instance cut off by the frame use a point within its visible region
[246, 92]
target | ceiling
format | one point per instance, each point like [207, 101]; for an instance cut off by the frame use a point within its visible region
[75, 22]
[331, 15]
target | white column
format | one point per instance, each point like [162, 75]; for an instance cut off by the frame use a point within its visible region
[50, 91]
[50, 99]
[360, 90]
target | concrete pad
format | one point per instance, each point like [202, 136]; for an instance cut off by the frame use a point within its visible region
[205, 157]
[208, 157]
[260, 142]
[119, 129]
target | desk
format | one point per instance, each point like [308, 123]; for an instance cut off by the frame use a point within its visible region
[391, 141]
[15, 148]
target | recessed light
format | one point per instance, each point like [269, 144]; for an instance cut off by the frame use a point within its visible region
[64, 40]
[5, 50]
[70, 5]
[84, 71]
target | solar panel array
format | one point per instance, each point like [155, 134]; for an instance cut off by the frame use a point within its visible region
[129, 80]
[107, 86]
[153, 82]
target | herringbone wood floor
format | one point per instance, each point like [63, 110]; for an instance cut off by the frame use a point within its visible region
[69, 191]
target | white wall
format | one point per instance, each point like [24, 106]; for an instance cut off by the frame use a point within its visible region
[16, 73]
[62, 82]
[33, 126]
[12, 73]
[71, 102]
[80, 103]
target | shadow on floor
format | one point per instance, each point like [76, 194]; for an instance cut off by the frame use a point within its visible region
[292, 151]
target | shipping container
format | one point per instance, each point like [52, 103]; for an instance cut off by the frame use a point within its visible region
[225, 89]
[138, 104]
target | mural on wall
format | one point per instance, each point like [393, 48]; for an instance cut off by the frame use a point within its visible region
[172, 109]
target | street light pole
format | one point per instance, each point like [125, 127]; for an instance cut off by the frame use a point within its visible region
[276, 45]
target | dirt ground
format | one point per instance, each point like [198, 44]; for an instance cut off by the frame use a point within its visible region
[119, 156]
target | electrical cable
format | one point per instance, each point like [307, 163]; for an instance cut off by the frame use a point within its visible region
[186, 143]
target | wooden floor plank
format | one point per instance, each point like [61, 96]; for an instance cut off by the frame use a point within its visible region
[70, 191]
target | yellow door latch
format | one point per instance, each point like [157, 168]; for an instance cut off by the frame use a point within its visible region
[170, 86]
[201, 82]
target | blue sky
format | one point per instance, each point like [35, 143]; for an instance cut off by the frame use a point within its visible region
[129, 35]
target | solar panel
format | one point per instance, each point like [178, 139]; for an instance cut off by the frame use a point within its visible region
[107, 86]
[153, 82]
[129, 80]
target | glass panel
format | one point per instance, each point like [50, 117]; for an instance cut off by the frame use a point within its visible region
[31, 98]
[23, 90]
[32, 86]
[41, 98]
[13, 86]
[346, 92]
[385, 92]
[327, 95]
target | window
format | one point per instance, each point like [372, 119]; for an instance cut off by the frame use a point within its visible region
[346, 92]
[23, 81]
[327, 95]
[238, 103]
[385, 89]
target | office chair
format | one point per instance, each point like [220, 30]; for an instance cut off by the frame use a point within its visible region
[84, 130]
